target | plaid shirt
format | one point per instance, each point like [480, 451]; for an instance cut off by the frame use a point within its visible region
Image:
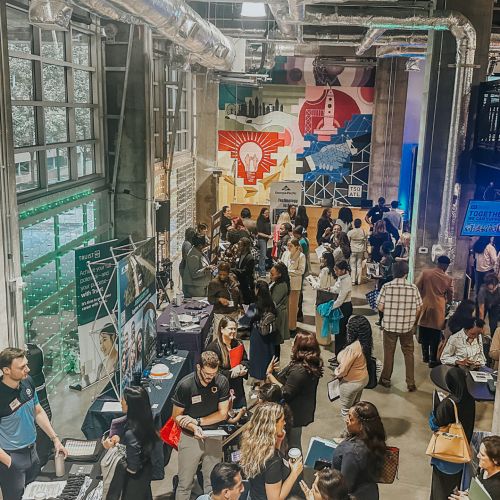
[401, 301]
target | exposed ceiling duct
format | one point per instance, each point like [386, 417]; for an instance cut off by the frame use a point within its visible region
[173, 19]
[390, 51]
[371, 36]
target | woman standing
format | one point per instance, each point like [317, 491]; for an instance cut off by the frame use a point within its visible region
[144, 451]
[295, 261]
[299, 381]
[244, 271]
[402, 249]
[342, 290]
[301, 219]
[225, 342]
[292, 212]
[324, 223]
[262, 341]
[344, 219]
[280, 290]
[343, 249]
[198, 271]
[186, 246]
[325, 282]
[353, 361]
[446, 475]
[283, 219]
[263, 236]
[486, 258]
[361, 456]
[357, 239]
[270, 475]
[377, 238]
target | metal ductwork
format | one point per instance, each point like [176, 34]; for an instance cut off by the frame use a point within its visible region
[390, 51]
[50, 14]
[371, 36]
[259, 57]
[281, 11]
[173, 19]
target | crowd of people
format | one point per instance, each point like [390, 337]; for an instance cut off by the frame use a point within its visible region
[256, 285]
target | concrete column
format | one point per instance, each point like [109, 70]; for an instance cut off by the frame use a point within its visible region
[207, 113]
[435, 128]
[134, 212]
[387, 129]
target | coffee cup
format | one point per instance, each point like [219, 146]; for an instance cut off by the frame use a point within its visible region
[294, 454]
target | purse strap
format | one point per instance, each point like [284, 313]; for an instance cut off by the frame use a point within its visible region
[456, 411]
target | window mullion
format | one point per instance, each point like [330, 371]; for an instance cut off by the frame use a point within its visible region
[70, 96]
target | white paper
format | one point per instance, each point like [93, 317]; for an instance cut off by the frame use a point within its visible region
[214, 433]
[320, 251]
[51, 489]
[480, 376]
[113, 406]
[334, 389]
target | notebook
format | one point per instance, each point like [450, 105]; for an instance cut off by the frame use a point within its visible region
[477, 491]
[319, 449]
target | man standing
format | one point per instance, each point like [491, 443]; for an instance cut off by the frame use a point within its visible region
[436, 289]
[400, 302]
[223, 293]
[377, 212]
[227, 483]
[201, 401]
[225, 222]
[19, 411]
[393, 220]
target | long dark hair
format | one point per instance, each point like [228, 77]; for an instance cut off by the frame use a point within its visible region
[284, 276]
[372, 434]
[332, 485]
[358, 328]
[261, 217]
[462, 315]
[481, 244]
[324, 214]
[301, 217]
[306, 351]
[140, 418]
[330, 262]
[345, 215]
[264, 302]
[344, 244]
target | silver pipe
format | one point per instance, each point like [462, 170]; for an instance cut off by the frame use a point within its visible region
[103, 8]
[390, 51]
[50, 14]
[177, 21]
[280, 12]
[371, 36]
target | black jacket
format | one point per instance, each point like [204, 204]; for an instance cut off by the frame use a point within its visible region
[323, 224]
[299, 391]
[244, 271]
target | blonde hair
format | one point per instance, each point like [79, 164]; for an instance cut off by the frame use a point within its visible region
[284, 218]
[405, 237]
[224, 323]
[259, 440]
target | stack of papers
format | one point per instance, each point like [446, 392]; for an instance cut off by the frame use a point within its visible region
[480, 376]
[42, 489]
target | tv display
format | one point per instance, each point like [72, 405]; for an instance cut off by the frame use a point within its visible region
[482, 219]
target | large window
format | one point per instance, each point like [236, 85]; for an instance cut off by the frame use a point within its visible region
[54, 103]
[49, 235]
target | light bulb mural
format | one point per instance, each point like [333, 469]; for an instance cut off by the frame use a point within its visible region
[254, 152]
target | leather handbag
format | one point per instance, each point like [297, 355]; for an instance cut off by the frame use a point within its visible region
[390, 467]
[450, 443]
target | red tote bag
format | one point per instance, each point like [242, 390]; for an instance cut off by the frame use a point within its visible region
[170, 433]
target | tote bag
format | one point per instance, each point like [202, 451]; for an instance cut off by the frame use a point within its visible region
[390, 467]
[450, 443]
[113, 469]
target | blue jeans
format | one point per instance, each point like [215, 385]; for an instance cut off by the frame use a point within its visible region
[262, 256]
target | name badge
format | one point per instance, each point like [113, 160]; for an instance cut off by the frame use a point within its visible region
[196, 399]
[15, 404]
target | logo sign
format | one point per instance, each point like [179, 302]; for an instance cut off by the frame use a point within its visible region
[284, 194]
[354, 191]
[482, 219]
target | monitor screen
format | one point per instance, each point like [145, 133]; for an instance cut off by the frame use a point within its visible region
[482, 219]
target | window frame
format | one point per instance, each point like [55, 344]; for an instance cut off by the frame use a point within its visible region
[38, 104]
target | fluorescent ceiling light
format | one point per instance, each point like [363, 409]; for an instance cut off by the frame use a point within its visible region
[251, 9]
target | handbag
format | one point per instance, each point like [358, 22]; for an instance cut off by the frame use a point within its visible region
[371, 365]
[113, 470]
[371, 298]
[450, 443]
[391, 465]
[267, 324]
[170, 433]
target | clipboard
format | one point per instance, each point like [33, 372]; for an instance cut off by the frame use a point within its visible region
[334, 389]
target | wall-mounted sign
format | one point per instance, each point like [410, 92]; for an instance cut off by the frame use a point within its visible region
[355, 191]
[482, 219]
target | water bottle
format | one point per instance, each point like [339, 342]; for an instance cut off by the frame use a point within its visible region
[59, 463]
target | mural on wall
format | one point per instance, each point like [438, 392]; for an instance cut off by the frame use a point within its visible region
[319, 134]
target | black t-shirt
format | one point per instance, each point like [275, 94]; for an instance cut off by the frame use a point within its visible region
[491, 484]
[490, 300]
[275, 471]
[200, 401]
[224, 224]
[376, 213]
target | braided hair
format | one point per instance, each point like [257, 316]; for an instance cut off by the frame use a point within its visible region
[359, 328]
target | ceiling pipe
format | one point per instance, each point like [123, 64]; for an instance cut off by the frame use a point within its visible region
[371, 36]
[104, 8]
[391, 51]
[280, 11]
[465, 36]
[176, 21]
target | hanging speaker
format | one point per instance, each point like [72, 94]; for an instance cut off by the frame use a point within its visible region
[163, 217]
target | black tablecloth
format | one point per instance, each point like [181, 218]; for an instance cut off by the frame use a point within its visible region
[97, 422]
[193, 341]
[478, 390]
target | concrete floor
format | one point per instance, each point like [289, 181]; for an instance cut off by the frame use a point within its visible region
[404, 414]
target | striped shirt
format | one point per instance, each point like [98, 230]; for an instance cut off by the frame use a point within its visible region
[400, 300]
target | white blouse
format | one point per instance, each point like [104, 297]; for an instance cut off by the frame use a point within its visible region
[342, 287]
[296, 265]
[457, 349]
[326, 278]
